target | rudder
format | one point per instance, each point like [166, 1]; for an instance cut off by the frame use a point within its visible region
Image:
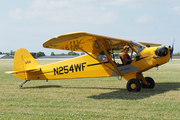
[24, 61]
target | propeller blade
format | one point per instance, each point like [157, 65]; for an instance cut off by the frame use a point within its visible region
[171, 50]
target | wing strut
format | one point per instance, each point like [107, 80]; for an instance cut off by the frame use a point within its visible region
[98, 60]
[105, 51]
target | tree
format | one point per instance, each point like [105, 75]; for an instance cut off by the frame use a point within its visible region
[33, 54]
[12, 52]
[7, 53]
[36, 56]
[134, 55]
[62, 54]
[39, 54]
[72, 53]
[0, 52]
[116, 54]
[83, 53]
[52, 54]
[178, 54]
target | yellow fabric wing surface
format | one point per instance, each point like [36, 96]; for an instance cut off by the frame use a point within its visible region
[147, 44]
[82, 41]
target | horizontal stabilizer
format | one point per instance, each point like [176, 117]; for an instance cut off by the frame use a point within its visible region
[11, 72]
[16, 72]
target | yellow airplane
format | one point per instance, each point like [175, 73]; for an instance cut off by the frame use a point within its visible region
[92, 64]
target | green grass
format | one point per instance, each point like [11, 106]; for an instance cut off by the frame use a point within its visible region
[90, 98]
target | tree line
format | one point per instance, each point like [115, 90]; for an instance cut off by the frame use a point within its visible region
[69, 53]
[39, 54]
[10, 53]
[34, 54]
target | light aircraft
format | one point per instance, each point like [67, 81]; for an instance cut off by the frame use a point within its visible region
[96, 47]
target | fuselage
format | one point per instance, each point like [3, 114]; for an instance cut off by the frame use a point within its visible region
[86, 66]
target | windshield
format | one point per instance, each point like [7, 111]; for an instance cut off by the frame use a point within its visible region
[137, 46]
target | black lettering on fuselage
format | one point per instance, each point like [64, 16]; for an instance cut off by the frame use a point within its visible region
[77, 66]
[72, 68]
[56, 71]
[83, 66]
[60, 70]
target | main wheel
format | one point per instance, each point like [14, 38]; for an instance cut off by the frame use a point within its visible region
[150, 83]
[133, 85]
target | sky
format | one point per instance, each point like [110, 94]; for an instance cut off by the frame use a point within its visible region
[29, 23]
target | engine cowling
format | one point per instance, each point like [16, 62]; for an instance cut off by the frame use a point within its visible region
[161, 51]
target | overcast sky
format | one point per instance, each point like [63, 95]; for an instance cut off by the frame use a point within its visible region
[29, 23]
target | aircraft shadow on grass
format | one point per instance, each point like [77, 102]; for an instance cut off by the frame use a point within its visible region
[43, 86]
[144, 93]
[119, 93]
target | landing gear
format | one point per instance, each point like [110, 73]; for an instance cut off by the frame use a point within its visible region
[23, 83]
[133, 85]
[150, 83]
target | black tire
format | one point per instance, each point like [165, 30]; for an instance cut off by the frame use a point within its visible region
[150, 82]
[133, 85]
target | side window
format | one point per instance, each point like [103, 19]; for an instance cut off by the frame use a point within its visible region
[101, 57]
[134, 55]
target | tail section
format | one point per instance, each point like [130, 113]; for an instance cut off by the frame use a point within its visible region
[24, 62]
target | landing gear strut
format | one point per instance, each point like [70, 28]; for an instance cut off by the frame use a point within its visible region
[23, 83]
[150, 83]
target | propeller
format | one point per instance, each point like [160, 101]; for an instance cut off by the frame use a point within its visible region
[171, 50]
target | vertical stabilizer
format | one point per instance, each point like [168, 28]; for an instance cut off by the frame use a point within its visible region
[24, 61]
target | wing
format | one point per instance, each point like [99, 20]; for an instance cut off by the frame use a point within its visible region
[147, 44]
[87, 42]
[82, 41]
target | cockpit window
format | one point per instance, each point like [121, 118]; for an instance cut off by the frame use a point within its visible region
[102, 56]
[137, 46]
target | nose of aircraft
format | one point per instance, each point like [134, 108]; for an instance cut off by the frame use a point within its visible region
[162, 51]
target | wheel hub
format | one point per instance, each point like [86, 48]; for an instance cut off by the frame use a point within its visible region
[133, 86]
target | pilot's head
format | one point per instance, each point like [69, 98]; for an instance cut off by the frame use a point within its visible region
[126, 48]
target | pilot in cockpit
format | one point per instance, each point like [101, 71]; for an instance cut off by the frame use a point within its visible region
[126, 59]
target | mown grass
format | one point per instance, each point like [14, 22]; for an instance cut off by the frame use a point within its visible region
[90, 98]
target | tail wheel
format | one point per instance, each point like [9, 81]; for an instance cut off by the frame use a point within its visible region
[150, 83]
[133, 85]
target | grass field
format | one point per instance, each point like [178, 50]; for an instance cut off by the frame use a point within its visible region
[90, 98]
